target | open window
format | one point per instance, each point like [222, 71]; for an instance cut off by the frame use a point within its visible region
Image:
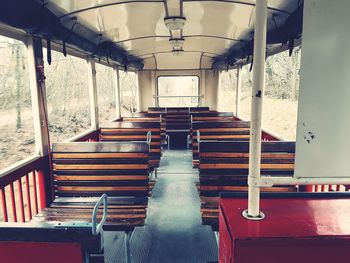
[67, 93]
[178, 91]
[105, 93]
[17, 140]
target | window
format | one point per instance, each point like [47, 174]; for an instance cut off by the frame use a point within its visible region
[17, 130]
[128, 92]
[178, 91]
[281, 93]
[67, 92]
[105, 93]
[227, 91]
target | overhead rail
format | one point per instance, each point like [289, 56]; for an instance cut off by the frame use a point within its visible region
[35, 19]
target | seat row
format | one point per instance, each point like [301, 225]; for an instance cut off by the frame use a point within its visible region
[220, 150]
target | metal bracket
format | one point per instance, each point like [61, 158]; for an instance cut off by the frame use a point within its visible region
[261, 216]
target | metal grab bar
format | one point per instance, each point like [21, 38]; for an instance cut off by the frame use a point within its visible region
[96, 228]
[178, 96]
[198, 139]
[149, 137]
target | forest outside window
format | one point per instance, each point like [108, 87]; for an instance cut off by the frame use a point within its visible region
[67, 93]
[128, 92]
[17, 140]
[105, 93]
[178, 91]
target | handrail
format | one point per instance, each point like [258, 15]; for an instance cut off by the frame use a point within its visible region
[149, 137]
[25, 166]
[96, 228]
[24, 185]
[178, 96]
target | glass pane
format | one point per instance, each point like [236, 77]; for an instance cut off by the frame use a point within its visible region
[128, 92]
[227, 91]
[67, 92]
[281, 94]
[17, 130]
[105, 93]
[174, 88]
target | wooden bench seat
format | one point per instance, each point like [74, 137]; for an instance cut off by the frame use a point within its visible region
[124, 213]
[222, 130]
[135, 131]
[224, 167]
[84, 170]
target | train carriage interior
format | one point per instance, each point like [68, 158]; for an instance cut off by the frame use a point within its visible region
[192, 131]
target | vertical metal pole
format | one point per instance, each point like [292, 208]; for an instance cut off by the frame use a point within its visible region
[117, 93]
[154, 87]
[238, 89]
[40, 118]
[256, 109]
[93, 94]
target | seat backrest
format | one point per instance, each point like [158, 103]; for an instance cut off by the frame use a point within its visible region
[94, 168]
[224, 165]
[134, 131]
[212, 116]
[217, 130]
[149, 117]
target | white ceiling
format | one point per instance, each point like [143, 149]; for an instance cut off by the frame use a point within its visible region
[212, 26]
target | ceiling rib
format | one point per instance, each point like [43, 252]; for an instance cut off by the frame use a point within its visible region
[185, 36]
[110, 4]
[164, 1]
[240, 3]
[185, 51]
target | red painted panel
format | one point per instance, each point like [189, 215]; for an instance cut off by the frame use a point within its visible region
[294, 230]
[225, 241]
[40, 252]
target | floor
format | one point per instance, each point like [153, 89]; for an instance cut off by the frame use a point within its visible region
[173, 231]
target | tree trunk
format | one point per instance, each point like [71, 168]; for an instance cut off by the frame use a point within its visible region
[18, 88]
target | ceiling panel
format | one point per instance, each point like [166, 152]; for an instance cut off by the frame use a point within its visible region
[126, 21]
[212, 26]
[188, 60]
[214, 18]
[73, 6]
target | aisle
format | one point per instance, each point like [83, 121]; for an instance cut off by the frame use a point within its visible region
[173, 231]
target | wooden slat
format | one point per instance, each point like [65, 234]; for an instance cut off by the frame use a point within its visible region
[245, 166]
[98, 166]
[100, 178]
[244, 188]
[227, 136]
[246, 155]
[243, 146]
[223, 129]
[99, 147]
[101, 188]
[134, 130]
[98, 155]
[129, 138]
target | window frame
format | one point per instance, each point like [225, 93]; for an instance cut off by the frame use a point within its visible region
[176, 76]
